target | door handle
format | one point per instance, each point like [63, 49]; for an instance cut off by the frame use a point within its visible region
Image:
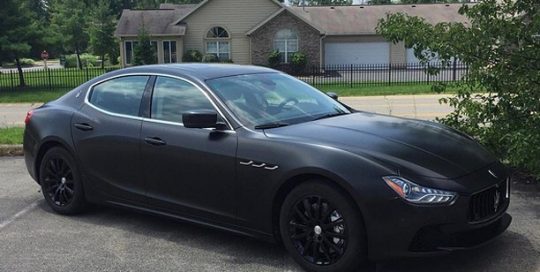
[154, 141]
[83, 127]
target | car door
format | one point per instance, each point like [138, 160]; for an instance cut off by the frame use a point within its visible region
[187, 171]
[106, 133]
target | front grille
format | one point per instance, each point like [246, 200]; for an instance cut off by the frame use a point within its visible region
[488, 203]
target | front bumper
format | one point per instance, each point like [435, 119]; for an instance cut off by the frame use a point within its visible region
[397, 228]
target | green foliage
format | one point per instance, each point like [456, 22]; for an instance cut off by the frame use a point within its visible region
[144, 53]
[210, 58]
[274, 59]
[101, 28]
[192, 55]
[501, 46]
[321, 2]
[298, 62]
[27, 62]
[87, 60]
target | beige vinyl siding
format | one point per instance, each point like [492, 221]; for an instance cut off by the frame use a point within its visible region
[237, 17]
[397, 51]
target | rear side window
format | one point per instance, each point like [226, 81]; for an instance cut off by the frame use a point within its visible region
[173, 97]
[120, 95]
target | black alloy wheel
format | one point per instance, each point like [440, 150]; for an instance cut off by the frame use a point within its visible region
[60, 182]
[318, 231]
[322, 228]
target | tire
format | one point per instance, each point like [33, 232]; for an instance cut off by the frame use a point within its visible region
[318, 212]
[61, 182]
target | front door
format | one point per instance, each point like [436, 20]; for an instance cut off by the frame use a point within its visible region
[187, 171]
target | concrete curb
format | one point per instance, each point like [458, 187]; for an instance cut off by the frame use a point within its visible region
[11, 150]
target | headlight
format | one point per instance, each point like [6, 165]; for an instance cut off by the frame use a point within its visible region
[418, 194]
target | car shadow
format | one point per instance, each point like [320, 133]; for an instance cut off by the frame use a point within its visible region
[510, 252]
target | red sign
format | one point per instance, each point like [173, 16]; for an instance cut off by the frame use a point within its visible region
[44, 55]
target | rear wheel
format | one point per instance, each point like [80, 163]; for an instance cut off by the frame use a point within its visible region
[322, 229]
[61, 183]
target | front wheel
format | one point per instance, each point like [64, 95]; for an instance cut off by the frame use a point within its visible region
[322, 229]
[61, 183]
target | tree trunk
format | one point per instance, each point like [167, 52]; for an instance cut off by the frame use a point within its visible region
[21, 75]
[103, 61]
[79, 64]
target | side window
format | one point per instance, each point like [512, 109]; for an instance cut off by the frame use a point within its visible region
[120, 95]
[172, 97]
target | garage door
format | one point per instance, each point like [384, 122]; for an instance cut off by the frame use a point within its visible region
[357, 53]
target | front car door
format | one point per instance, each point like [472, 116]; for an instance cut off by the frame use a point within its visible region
[187, 171]
[106, 133]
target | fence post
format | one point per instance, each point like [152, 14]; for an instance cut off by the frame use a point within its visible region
[313, 75]
[389, 73]
[12, 80]
[87, 77]
[351, 77]
[49, 78]
[454, 70]
[427, 73]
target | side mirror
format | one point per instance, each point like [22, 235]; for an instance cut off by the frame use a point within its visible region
[200, 119]
[332, 95]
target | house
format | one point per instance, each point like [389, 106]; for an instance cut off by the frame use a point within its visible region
[247, 31]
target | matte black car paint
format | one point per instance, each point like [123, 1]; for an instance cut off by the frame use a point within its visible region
[205, 175]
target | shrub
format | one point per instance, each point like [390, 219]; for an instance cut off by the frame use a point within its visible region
[192, 55]
[274, 59]
[210, 58]
[227, 61]
[87, 60]
[27, 62]
[298, 62]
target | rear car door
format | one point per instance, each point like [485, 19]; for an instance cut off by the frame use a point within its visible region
[106, 133]
[187, 171]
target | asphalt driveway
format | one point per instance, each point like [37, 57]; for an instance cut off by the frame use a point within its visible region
[32, 238]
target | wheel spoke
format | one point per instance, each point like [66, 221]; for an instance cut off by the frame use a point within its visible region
[307, 208]
[334, 246]
[335, 235]
[333, 224]
[298, 225]
[299, 235]
[301, 215]
[306, 246]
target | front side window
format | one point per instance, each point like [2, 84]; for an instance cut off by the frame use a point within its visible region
[120, 95]
[286, 42]
[169, 51]
[272, 98]
[218, 43]
[172, 97]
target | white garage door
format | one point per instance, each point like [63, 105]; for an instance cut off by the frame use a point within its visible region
[357, 53]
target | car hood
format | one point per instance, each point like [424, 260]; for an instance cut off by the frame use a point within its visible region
[409, 146]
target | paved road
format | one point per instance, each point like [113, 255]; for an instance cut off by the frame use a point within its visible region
[425, 107]
[32, 238]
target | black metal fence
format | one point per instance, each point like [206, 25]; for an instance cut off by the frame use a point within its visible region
[381, 74]
[48, 79]
[337, 75]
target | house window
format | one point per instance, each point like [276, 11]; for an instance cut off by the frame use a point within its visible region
[286, 42]
[218, 43]
[130, 50]
[169, 51]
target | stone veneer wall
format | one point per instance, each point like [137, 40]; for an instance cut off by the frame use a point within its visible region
[262, 40]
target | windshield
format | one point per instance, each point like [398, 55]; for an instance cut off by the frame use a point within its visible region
[273, 99]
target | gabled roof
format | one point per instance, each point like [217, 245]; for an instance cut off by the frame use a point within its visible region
[201, 4]
[355, 20]
[156, 21]
[277, 13]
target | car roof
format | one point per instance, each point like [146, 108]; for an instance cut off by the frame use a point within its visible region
[201, 71]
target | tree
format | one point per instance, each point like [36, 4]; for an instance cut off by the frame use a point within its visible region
[101, 29]
[499, 100]
[69, 21]
[144, 53]
[321, 2]
[16, 29]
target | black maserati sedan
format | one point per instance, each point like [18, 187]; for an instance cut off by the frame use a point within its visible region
[257, 152]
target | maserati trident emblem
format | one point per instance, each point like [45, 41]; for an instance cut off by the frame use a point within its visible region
[492, 174]
[496, 201]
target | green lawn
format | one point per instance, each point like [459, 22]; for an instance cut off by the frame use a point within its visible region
[30, 96]
[11, 136]
[380, 90]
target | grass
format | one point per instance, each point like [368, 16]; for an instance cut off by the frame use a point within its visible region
[31, 96]
[403, 89]
[10, 136]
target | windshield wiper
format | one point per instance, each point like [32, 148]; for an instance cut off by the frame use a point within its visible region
[271, 125]
[330, 115]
